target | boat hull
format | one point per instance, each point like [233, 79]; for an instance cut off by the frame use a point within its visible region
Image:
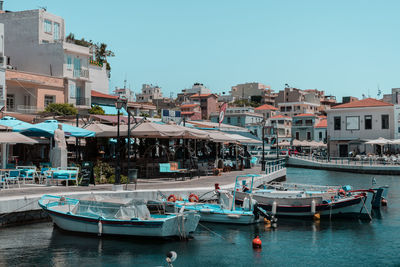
[353, 206]
[215, 214]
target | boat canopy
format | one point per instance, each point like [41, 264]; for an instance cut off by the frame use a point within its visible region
[112, 208]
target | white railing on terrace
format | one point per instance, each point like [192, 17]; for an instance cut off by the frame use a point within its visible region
[274, 165]
[28, 109]
[354, 161]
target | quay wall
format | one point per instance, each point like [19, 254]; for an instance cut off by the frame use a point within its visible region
[16, 210]
[354, 167]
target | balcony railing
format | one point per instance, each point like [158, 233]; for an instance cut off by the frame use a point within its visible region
[27, 109]
[81, 73]
[82, 101]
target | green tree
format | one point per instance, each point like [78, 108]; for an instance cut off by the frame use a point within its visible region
[61, 109]
[96, 110]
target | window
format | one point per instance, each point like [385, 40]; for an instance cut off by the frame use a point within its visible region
[368, 122]
[48, 99]
[45, 42]
[308, 135]
[72, 91]
[352, 123]
[297, 135]
[320, 135]
[229, 120]
[336, 122]
[27, 100]
[47, 26]
[56, 31]
[10, 101]
[69, 63]
[385, 121]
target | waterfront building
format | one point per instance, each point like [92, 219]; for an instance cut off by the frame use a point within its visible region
[3, 65]
[269, 97]
[320, 130]
[101, 99]
[32, 93]
[191, 111]
[283, 125]
[352, 123]
[248, 90]
[266, 110]
[303, 127]
[149, 93]
[239, 116]
[208, 104]
[46, 51]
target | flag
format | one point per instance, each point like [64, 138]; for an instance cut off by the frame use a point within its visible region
[222, 113]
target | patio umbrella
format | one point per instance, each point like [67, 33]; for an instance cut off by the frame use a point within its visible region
[104, 130]
[220, 137]
[48, 127]
[155, 130]
[7, 138]
[13, 123]
[297, 143]
[380, 142]
[284, 143]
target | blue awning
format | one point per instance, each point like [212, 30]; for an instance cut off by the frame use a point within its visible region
[112, 110]
[47, 128]
[15, 124]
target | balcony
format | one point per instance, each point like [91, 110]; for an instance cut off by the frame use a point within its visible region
[82, 101]
[27, 109]
[77, 49]
[82, 73]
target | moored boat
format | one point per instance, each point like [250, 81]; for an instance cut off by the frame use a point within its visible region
[112, 216]
[307, 201]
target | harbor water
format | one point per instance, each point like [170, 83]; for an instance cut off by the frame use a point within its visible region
[294, 242]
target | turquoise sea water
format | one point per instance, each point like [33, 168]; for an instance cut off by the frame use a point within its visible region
[294, 243]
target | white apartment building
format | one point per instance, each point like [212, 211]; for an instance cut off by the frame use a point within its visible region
[149, 92]
[197, 88]
[35, 42]
[351, 124]
[283, 125]
[247, 90]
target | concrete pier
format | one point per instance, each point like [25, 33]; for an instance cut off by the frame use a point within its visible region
[20, 205]
[344, 166]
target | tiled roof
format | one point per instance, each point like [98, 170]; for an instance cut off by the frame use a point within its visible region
[189, 105]
[98, 94]
[368, 102]
[280, 117]
[202, 95]
[305, 115]
[322, 124]
[266, 107]
[187, 112]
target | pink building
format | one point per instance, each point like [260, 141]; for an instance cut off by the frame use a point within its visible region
[208, 104]
[191, 111]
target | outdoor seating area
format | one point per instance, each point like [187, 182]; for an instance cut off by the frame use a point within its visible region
[31, 175]
[154, 150]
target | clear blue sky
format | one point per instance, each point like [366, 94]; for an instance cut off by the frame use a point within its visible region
[343, 47]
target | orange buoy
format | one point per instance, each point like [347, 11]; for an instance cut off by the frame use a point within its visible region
[193, 198]
[384, 202]
[257, 242]
[171, 198]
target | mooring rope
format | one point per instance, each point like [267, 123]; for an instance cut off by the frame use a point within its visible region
[208, 229]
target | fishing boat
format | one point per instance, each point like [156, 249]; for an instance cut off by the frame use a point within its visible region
[301, 201]
[225, 210]
[114, 216]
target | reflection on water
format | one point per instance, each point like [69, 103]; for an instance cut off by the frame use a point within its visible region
[295, 242]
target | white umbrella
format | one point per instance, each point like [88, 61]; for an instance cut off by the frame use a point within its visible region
[7, 138]
[380, 141]
[284, 143]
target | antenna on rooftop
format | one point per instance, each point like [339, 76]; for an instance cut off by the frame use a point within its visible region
[41, 7]
[125, 82]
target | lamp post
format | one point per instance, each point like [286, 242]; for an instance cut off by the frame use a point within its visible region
[118, 105]
[263, 145]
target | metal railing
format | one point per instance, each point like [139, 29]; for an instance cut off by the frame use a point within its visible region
[81, 73]
[28, 109]
[353, 161]
[82, 101]
[274, 165]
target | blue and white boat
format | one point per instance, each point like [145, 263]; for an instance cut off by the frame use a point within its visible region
[112, 216]
[225, 210]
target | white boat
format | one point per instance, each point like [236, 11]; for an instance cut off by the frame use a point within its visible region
[225, 210]
[304, 202]
[112, 216]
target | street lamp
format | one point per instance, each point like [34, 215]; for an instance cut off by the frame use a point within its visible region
[263, 144]
[118, 106]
